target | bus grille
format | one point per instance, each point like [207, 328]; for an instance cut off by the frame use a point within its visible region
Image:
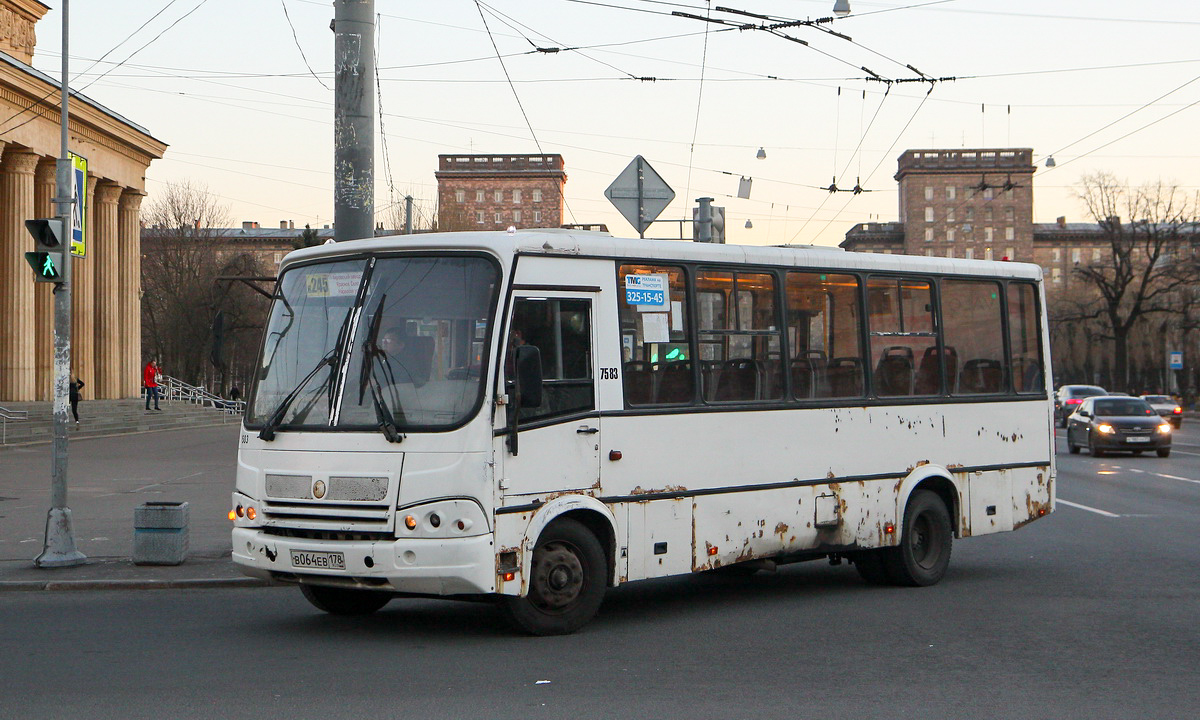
[319, 515]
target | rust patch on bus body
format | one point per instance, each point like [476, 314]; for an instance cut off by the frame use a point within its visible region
[652, 491]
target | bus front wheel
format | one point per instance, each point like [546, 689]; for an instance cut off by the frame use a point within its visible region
[566, 581]
[341, 601]
[923, 554]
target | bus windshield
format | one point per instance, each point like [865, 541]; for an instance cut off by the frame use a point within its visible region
[404, 352]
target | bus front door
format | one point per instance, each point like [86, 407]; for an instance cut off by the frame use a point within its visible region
[557, 441]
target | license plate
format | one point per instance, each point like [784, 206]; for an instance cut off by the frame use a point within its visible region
[318, 559]
[1137, 439]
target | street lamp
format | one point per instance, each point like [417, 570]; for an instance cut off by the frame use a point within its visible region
[762, 154]
[1050, 161]
[749, 224]
[841, 8]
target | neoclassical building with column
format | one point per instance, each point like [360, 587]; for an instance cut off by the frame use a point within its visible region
[106, 283]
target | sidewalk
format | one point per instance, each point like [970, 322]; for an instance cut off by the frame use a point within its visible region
[108, 477]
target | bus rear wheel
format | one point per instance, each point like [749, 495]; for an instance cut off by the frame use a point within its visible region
[923, 554]
[871, 566]
[566, 581]
[343, 601]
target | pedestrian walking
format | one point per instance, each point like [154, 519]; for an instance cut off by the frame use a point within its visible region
[73, 395]
[150, 378]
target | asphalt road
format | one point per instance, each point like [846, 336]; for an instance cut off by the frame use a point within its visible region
[1089, 613]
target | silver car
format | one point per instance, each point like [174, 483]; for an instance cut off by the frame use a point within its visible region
[1165, 406]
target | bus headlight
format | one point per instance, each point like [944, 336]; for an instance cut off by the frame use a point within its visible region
[443, 519]
[1105, 428]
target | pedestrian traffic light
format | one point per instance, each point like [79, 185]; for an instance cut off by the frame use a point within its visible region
[47, 258]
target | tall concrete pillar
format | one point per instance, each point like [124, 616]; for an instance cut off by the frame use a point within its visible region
[106, 263]
[43, 336]
[82, 305]
[18, 377]
[130, 234]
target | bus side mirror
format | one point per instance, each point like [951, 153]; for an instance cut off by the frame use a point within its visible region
[529, 375]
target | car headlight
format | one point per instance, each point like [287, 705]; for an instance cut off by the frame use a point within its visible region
[1164, 428]
[1105, 428]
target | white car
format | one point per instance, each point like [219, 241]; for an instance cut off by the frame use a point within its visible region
[1166, 407]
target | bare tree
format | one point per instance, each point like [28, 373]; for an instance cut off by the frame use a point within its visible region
[1149, 260]
[183, 255]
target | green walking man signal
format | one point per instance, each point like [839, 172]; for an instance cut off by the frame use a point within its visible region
[47, 257]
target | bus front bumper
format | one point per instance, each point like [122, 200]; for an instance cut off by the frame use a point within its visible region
[460, 566]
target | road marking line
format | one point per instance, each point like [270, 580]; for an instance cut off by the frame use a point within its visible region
[1105, 513]
[1176, 477]
[1184, 452]
[1135, 470]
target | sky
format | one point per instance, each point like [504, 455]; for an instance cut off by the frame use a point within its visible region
[242, 92]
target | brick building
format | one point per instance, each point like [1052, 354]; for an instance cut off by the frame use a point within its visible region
[494, 192]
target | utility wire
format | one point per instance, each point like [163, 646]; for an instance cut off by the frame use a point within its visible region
[517, 96]
[696, 125]
[301, 49]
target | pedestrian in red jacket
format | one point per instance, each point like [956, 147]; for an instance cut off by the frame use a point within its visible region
[150, 378]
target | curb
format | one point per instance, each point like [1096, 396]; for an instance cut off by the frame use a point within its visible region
[78, 585]
[79, 438]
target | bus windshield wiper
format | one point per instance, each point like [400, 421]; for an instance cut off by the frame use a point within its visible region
[366, 374]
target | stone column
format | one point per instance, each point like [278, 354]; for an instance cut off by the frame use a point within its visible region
[82, 305]
[130, 234]
[106, 264]
[43, 337]
[18, 377]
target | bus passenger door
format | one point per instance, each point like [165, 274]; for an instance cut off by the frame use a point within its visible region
[557, 441]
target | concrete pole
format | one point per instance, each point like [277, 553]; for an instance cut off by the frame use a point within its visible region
[408, 214]
[59, 548]
[353, 119]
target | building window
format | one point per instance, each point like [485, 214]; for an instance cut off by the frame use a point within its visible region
[987, 254]
[537, 194]
[479, 216]
[950, 253]
[970, 254]
[1056, 275]
[517, 197]
[537, 215]
[1075, 252]
[928, 252]
[987, 234]
[951, 192]
[988, 193]
[516, 216]
[987, 214]
[950, 215]
[460, 196]
[1057, 255]
[950, 235]
[1010, 253]
[497, 217]
[928, 193]
[498, 196]
[478, 196]
[970, 215]
[928, 214]
[1095, 255]
[928, 234]
[887, 252]
[1010, 234]
[1008, 213]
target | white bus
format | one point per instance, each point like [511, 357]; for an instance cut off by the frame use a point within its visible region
[534, 417]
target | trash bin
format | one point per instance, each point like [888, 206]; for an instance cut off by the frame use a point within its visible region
[160, 533]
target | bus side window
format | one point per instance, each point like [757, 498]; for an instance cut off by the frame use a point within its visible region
[972, 319]
[823, 331]
[561, 331]
[901, 321]
[1023, 338]
[655, 336]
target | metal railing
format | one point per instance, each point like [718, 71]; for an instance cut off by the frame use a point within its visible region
[179, 391]
[5, 416]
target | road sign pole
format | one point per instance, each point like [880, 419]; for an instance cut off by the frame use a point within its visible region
[641, 197]
[59, 548]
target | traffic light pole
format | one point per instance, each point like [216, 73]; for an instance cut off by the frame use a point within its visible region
[59, 549]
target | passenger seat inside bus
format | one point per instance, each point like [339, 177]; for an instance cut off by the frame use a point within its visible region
[845, 377]
[927, 382]
[674, 382]
[894, 373]
[639, 383]
[981, 375]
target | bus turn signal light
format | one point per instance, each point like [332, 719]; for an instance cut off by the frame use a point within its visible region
[509, 577]
[251, 513]
[233, 515]
[889, 529]
[410, 522]
[712, 549]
